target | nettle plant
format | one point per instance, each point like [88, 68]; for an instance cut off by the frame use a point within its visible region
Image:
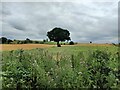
[39, 69]
[101, 75]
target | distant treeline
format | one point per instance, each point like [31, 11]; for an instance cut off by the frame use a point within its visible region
[4, 40]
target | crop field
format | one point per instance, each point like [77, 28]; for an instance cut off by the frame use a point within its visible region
[8, 47]
[76, 66]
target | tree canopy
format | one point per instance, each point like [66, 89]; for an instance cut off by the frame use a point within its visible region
[58, 34]
[3, 40]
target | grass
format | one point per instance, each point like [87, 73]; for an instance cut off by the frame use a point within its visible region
[67, 50]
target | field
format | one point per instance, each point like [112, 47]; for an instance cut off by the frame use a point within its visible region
[8, 47]
[70, 66]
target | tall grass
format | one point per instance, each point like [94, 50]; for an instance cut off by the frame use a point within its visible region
[40, 68]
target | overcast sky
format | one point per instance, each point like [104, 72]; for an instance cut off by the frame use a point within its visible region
[89, 21]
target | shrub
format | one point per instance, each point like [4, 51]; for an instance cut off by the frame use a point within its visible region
[59, 45]
[90, 41]
[71, 43]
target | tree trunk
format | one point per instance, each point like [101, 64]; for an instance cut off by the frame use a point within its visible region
[58, 45]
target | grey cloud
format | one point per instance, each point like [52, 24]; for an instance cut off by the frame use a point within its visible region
[86, 21]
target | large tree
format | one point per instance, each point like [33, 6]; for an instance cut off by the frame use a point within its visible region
[58, 34]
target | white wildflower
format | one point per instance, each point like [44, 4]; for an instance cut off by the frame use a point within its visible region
[48, 81]
[57, 76]
[115, 69]
[117, 79]
[11, 79]
[52, 79]
[35, 61]
[48, 72]
[51, 68]
[79, 72]
[55, 84]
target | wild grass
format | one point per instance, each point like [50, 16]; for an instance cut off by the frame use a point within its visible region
[65, 67]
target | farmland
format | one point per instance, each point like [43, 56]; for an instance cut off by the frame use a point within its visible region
[48, 66]
[8, 47]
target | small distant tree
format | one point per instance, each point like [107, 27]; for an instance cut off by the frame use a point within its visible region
[27, 40]
[17, 42]
[36, 42]
[90, 41]
[44, 40]
[0, 40]
[14, 40]
[58, 34]
[113, 44]
[3, 40]
[22, 42]
[71, 43]
[9, 41]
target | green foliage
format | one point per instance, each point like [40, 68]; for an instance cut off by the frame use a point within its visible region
[58, 34]
[71, 43]
[41, 68]
[100, 71]
[4, 40]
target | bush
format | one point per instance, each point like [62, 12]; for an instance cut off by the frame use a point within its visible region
[90, 41]
[71, 43]
[59, 45]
